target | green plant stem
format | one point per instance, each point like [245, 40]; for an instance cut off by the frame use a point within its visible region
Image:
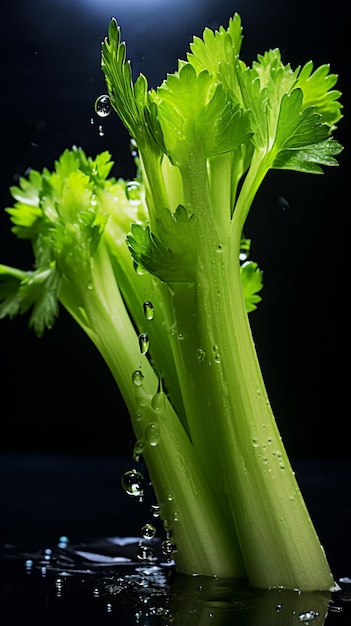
[278, 540]
[187, 501]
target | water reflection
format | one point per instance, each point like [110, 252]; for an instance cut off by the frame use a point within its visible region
[91, 580]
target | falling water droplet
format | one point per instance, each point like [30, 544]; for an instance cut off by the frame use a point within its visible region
[168, 547]
[133, 189]
[148, 310]
[133, 483]
[152, 434]
[145, 553]
[138, 378]
[148, 531]
[102, 106]
[144, 343]
[155, 510]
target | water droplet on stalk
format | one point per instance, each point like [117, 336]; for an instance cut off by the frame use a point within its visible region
[200, 355]
[138, 450]
[102, 106]
[144, 343]
[138, 378]
[152, 434]
[133, 189]
[148, 310]
[158, 401]
[133, 483]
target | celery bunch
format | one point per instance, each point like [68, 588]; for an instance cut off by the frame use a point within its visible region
[152, 270]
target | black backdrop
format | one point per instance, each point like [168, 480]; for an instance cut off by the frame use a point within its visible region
[56, 393]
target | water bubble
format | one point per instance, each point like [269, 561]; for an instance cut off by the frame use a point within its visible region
[138, 378]
[133, 483]
[152, 434]
[148, 531]
[148, 310]
[144, 343]
[102, 106]
[133, 189]
[145, 553]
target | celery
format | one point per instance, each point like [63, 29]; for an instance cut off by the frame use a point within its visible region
[151, 270]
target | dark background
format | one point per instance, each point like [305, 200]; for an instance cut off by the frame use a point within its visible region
[56, 394]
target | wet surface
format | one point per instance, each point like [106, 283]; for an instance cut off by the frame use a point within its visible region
[104, 581]
[61, 561]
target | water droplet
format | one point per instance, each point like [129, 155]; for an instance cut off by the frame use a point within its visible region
[308, 616]
[158, 401]
[144, 343]
[138, 450]
[133, 148]
[254, 442]
[200, 355]
[148, 531]
[63, 542]
[109, 607]
[168, 547]
[278, 608]
[133, 483]
[133, 189]
[102, 106]
[148, 310]
[96, 592]
[101, 130]
[152, 434]
[145, 553]
[138, 378]
[155, 510]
